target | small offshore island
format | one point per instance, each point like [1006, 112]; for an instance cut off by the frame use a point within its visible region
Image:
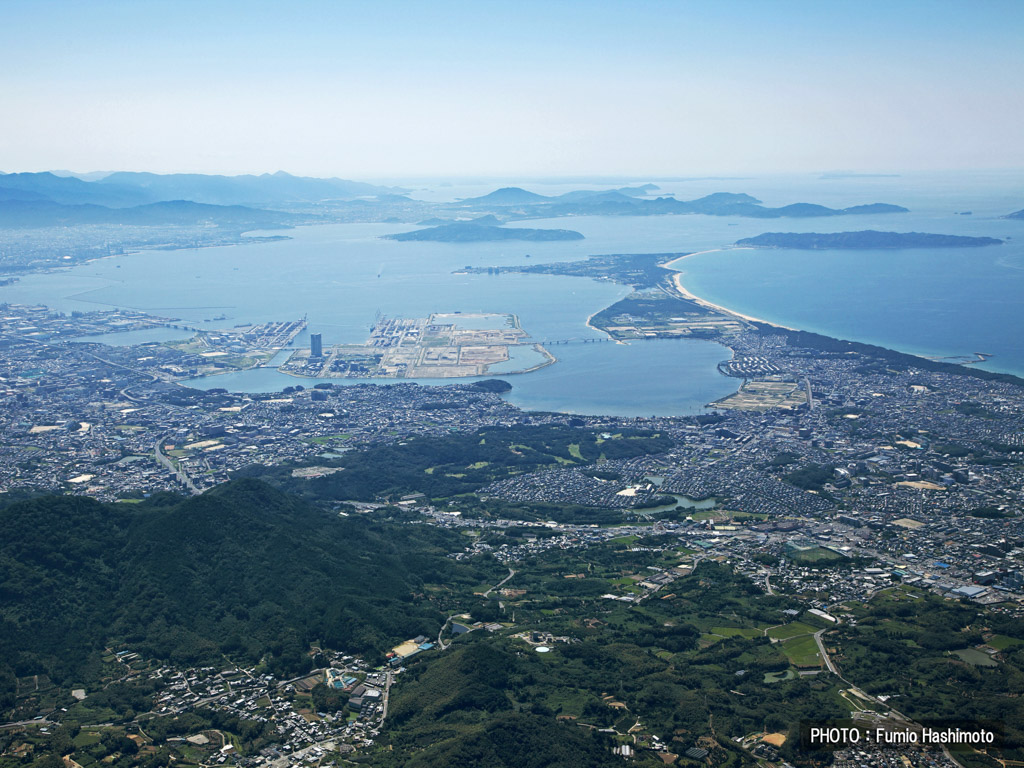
[868, 239]
[484, 229]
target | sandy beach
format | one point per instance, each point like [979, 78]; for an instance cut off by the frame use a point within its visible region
[602, 330]
[677, 279]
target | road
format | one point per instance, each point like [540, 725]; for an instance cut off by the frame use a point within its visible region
[440, 641]
[387, 697]
[511, 573]
[441, 644]
[167, 464]
[22, 723]
[892, 712]
[824, 654]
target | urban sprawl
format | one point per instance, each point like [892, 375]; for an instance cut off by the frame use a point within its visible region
[914, 472]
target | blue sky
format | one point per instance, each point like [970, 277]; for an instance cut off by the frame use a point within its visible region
[389, 89]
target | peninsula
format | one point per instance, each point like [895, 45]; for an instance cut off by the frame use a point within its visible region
[866, 240]
[640, 270]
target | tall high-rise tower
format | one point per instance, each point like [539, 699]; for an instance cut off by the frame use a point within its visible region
[316, 345]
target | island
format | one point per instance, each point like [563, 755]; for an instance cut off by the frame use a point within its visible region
[866, 240]
[514, 202]
[1015, 215]
[484, 229]
[507, 196]
[520, 196]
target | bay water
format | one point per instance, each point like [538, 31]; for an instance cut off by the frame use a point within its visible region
[937, 302]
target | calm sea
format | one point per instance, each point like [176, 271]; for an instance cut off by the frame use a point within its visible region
[944, 302]
[935, 302]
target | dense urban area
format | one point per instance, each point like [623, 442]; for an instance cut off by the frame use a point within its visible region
[435, 385]
[845, 480]
[841, 483]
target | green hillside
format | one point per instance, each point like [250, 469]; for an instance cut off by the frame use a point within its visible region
[243, 570]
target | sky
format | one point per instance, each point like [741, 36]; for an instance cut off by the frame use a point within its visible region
[378, 89]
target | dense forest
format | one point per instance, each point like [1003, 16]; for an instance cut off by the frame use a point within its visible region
[619, 666]
[242, 570]
[251, 574]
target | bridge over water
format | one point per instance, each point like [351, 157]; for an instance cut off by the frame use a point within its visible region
[577, 340]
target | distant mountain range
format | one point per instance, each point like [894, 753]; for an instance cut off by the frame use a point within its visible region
[56, 199]
[1015, 215]
[484, 229]
[264, 190]
[68, 190]
[518, 196]
[143, 199]
[627, 201]
[867, 239]
[30, 213]
[507, 196]
[125, 189]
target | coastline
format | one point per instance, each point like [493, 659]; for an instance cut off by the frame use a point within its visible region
[17, 271]
[677, 280]
[549, 359]
[602, 330]
[949, 359]
[676, 285]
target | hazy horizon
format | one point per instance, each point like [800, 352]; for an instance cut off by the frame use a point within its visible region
[595, 178]
[405, 90]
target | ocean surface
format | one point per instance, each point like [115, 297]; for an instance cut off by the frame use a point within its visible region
[942, 304]
[938, 302]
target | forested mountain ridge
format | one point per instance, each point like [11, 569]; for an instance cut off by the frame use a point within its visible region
[124, 188]
[243, 569]
[28, 214]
